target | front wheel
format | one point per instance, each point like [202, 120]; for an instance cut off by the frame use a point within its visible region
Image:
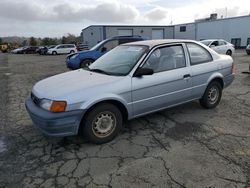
[72, 51]
[54, 53]
[86, 63]
[102, 123]
[229, 52]
[212, 95]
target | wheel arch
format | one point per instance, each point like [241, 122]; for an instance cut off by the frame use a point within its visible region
[217, 77]
[120, 105]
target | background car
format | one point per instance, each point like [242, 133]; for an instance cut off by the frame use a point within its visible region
[248, 49]
[220, 46]
[85, 58]
[28, 50]
[17, 50]
[62, 49]
[82, 47]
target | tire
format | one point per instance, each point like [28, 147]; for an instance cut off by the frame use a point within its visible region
[54, 53]
[229, 52]
[248, 53]
[86, 63]
[102, 123]
[72, 51]
[212, 95]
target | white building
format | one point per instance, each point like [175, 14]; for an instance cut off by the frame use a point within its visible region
[235, 30]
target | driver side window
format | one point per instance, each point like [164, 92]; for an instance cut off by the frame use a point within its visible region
[166, 58]
[110, 45]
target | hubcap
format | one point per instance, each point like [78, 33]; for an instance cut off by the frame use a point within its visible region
[213, 94]
[104, 124]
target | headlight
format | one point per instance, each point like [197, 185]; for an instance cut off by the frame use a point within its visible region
[53, 106]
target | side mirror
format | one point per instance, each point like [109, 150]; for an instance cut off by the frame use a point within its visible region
[104, 49]
[143, 71]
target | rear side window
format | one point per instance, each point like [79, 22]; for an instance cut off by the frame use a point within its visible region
[198, 54]
[70, 46]
[221, 43]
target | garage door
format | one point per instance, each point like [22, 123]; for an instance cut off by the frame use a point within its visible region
[125, 32]
[157, 34]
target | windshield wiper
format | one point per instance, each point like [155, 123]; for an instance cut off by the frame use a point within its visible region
[99, 71]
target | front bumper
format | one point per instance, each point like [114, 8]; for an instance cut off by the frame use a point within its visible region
[73, 63]
[54, 124]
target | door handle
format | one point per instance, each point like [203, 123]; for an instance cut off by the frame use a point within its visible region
[186, 76]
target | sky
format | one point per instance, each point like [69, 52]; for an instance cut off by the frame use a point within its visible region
[55, 18]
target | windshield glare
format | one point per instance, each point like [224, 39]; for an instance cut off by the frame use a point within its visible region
[120, 60]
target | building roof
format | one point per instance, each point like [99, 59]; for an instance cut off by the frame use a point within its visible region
[156, 26]
[220, 19]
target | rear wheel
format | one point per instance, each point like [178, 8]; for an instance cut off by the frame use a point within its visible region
[102, 123]
[212, 95]
[54, 53]
[229, 52]
[86, 63]
[72, 51]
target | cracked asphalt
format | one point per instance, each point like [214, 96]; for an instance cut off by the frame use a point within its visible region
[185, 146]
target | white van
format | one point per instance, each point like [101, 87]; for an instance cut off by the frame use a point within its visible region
[62, 49]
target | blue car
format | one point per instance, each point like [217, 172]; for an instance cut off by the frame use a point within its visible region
[85, 58]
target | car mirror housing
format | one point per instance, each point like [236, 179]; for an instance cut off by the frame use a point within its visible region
[104, 49]
[143, 71]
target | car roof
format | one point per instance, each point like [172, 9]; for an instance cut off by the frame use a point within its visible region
[152, 43]
[129, 36]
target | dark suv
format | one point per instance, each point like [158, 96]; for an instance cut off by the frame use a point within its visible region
[85, 58]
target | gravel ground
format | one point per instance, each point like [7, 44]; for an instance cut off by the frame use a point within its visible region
[185, 146]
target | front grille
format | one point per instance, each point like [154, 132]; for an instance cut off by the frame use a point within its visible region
[35, 99]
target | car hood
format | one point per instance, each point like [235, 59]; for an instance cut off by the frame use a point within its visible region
[59, 86]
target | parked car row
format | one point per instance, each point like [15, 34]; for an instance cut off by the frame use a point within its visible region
[44, 50]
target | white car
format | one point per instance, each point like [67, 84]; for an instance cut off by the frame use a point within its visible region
[220, 46]
[62, 49]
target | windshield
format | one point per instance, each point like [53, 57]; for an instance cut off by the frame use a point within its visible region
[98, 45]
[119, 61]
[206, 42]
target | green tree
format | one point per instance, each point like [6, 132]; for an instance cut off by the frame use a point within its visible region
[64, 40]
[33, 41]
[24, 43]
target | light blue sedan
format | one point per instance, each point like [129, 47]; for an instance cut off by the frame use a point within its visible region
[131, 80]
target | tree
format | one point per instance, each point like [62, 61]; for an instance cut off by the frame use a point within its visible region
[64, 40]
[24, 43]
[33, 41]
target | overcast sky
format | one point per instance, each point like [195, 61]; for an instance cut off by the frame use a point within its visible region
[54, 18]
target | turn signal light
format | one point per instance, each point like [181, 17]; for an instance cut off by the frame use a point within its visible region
[58, 106]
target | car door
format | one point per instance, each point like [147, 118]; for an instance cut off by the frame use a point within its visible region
[170, 84]
[60, 49]
[215, 46]
[223, 47]
[202, 67]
